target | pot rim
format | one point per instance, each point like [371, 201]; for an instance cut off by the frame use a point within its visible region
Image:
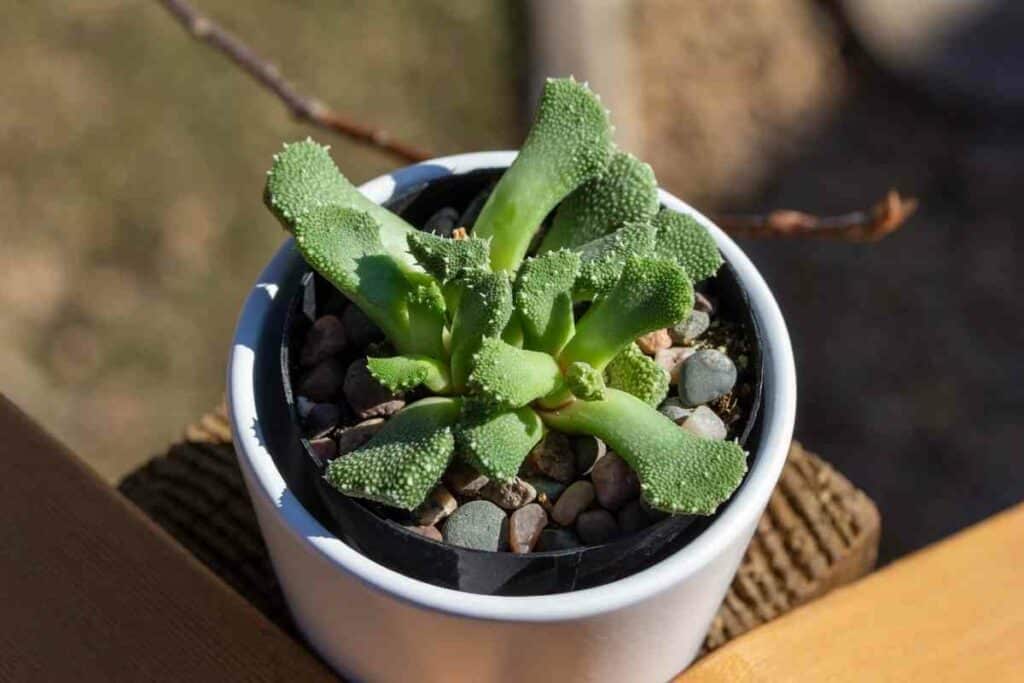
[778, 406]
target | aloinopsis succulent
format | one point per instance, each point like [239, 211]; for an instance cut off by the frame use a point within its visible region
[513, 333]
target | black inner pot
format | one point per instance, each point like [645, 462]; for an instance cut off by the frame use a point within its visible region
[371, 529]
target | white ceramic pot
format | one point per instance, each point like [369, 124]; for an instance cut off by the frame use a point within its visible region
[372, 623]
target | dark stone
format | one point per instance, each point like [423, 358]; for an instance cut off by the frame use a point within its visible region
[595, 527]
[615, 483]
[443, 222]
[321, 419]
[324, 382]
[325, 339]
[366, 396]
[359, 330]
[478, 524]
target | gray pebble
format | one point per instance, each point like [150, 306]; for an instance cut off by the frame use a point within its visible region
[705, 376]
[525, 526]
[572, 502]
[323, 383]
[464, 480]
[438, 505]
[359, 330]
[615, 483]
[588, 449]
[511, 496]
[674, 410]
[694, 326]
[556, 539]
[366, 396]
[325, 339]
[477, 524]
[553, 457]
[595, 527]
[705, 423]
[633, 517]
[354, 437]
[443, 222]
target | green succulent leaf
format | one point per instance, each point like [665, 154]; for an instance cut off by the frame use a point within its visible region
[401, 373]
[496, 445]
[448, 259]
[681, 238]
[543, 300]
[569, 144]
[625, 193]
[635, 373]
[678, 472]
[403, 462]
[603, 259]
[427, 320]
[507, 376]
[485, 307]
[650, 294]
[303, 178]
[585, 381]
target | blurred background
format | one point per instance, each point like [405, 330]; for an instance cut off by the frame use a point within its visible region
[133, 160]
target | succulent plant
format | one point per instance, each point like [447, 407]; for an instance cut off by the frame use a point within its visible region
[496, 334]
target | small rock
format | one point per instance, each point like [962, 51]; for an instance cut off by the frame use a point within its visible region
[525, 526]
[703, 303]
[705, 376]
[443, 222]
[359, 330]
[690, 329]
[674, 410]
[632, 517]
[477, 524]
[554, 457]
[464, 480]
[324, 382]
[353, 437]
[652, 342]
[556, 539]
[510, 496]
[615, 482]
[438, 505]
[321, 419]
[572, 502]
[595, 527]
[430, 532]
[705, 423]
[588, 449]
[549, 489]
[324, 450]
[325, 339]
[672, 360]
[366, 396]
[652, 513]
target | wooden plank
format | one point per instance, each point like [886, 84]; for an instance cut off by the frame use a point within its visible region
[952, 612]
[92, 590]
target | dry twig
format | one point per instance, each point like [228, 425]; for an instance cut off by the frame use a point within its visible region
[857, 226]
[304, 108]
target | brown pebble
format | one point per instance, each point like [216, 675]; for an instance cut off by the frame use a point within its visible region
[652, 342]
[554, 457]
[511, 495]
[438, 505]
[463, 480]
[324, 382]
[324, 450]
[359, 329]
[354, 437]
[430, 532]
[325, 339]
[595, 527]
[572, 502]
[366, 396]
[633, 517]
[615, 483]
[525, 527]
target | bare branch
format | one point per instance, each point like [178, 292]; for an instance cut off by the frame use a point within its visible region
[857, 226]
[303, 108]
